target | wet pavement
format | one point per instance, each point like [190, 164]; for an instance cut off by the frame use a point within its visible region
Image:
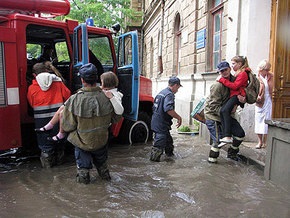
[253, 156]
[186, 185]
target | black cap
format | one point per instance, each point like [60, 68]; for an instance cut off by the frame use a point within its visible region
[223, 65]
[174, 80]
[88, 72]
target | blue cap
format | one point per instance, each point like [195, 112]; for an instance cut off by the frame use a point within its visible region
[174, 80]
[223, 65]
[88, 72]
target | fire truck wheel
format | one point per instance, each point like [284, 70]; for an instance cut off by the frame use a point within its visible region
[134, 132]
[147, 119]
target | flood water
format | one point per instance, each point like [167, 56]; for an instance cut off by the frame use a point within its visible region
[187, 186]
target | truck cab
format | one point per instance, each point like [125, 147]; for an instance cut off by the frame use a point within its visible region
[25, 35]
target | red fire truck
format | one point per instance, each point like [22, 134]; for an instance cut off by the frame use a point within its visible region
[26, 28]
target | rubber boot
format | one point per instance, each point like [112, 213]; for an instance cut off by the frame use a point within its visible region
[47, 160]
[83, 176]
[169, 151]
[233, 153]
[214, 153]
[156, 154]
[104, 172]
[59, 156]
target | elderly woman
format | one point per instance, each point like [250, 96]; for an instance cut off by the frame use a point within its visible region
[263, 108]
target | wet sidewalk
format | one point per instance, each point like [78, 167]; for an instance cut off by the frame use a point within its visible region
[250, 155]
[248, 152]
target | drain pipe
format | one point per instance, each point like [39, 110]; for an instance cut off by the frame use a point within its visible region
[160, 63]
[238, 29]
[143, 71]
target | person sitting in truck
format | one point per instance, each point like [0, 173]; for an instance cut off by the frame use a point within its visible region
[94, 60]
[48, 54]
[45, 95]
[109, 82]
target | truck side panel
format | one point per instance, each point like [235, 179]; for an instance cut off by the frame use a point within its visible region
[10, 134]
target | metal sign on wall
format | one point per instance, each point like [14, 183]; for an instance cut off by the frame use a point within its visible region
[200, 39]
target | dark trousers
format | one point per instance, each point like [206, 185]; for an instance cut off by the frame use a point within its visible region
[163, 140]
[226, 118]
[86, 159]
[43, 144]
[216, 132]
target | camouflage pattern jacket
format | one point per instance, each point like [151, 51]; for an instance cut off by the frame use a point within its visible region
[218, 96]
[87, 116]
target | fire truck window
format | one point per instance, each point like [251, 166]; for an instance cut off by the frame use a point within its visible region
[125, 51]
[62, 52]
[128, 50]
[33, 51]
[100, 47]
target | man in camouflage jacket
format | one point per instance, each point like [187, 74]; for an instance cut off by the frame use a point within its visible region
[218, 96]
[87, 116]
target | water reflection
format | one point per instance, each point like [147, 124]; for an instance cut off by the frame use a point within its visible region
[186, 186]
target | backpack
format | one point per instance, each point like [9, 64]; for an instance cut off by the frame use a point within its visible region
[253, 88]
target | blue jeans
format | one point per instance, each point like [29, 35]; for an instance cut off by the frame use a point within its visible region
[215, 130]
[86, 159]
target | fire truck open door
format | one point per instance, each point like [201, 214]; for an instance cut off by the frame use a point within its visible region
[10, 131]
[80, 53]
[128, 74]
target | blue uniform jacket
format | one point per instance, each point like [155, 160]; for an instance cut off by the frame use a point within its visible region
[163, 102]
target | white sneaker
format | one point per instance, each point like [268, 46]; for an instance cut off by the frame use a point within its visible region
[226, 140]
[222, 144]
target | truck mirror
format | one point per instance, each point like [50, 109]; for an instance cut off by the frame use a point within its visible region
[116, 27]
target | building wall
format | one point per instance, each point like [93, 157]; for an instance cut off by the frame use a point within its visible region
[245, 31]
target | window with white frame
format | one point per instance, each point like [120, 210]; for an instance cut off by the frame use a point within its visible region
[216, 32]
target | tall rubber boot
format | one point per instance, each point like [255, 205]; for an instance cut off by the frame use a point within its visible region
[104, 172]
[83, 176]
[233, 153]
[156, 154]
[59, 156]
[169, 150]
[47, 160]
[214, 153]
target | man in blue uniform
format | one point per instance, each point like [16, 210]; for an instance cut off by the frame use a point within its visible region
[163, 113]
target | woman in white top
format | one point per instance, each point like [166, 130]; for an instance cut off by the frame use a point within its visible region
[263, 108]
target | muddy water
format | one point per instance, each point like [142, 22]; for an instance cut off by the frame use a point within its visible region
[187, 186]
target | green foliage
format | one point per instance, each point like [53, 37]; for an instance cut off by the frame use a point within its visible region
[104, 13]
[184, 129]
[34, 50]
[196, 125]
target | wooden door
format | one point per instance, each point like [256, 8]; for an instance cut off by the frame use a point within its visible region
[280, 57]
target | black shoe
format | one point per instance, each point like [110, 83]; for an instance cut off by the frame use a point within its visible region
[233, 157]
[58, 140]
[42, 130]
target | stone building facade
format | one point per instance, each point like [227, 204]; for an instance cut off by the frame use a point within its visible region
[188, 38]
